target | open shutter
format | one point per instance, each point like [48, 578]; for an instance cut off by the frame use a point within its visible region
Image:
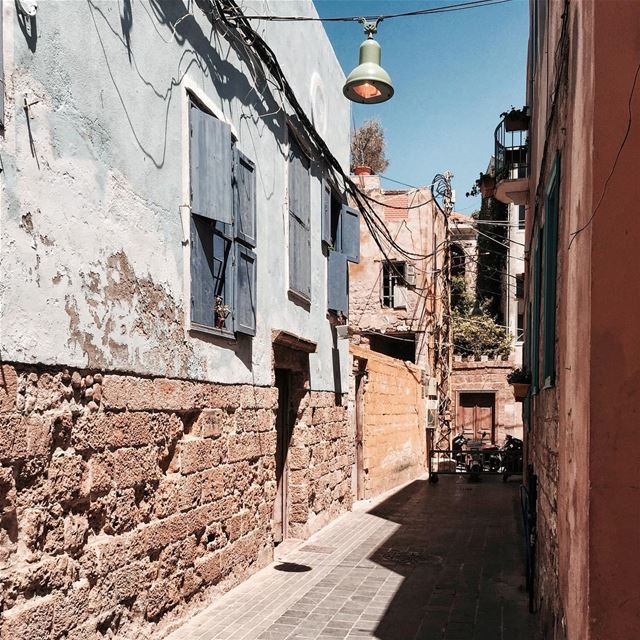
[299, 257]
[299, 181]
[338, 283]
[202, 278]
[245, 198]
[326, 213]
[350, 233]
[245, 290]
[211, 166]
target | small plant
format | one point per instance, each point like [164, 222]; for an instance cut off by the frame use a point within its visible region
[520, 375]
[221, 311]
[485, 185]
[516, 119]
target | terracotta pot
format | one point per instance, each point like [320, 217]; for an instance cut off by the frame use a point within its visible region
[362, 170]
[520, 390]
[516, 121]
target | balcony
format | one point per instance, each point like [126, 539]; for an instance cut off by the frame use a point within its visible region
[511, 158]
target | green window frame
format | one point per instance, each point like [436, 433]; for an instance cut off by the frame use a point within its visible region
[550, 273]
[535, 314]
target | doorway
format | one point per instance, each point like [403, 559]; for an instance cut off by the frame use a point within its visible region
[284, 428]
[476, 415]
[360, 384]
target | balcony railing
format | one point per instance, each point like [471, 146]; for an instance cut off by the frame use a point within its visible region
[511, 153]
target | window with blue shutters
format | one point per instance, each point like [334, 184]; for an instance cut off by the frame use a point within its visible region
[223, 229]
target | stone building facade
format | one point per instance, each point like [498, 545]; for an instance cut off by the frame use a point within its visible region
[173, 391]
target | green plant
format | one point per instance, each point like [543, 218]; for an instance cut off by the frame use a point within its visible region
[474, 331]
[368, 146]
[520, 375]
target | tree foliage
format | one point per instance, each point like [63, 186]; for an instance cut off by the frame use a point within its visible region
[368, 146]
[492, 254]
[474, 331]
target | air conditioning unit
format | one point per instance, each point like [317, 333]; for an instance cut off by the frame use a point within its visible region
[410, 275]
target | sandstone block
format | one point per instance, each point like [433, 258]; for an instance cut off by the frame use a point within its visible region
[198, 455]
[212, 423]
[133, 467]
[8, 388]
[298, 457]
[244, 447]
[31, 621]
[209, 568]
[66, 477]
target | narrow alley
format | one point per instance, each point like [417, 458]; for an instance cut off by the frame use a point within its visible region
[425, 562]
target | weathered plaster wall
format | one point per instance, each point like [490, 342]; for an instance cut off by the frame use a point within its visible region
[394, 422]
[488, 375]
[614, 588]
[126, 501]
[95, 172]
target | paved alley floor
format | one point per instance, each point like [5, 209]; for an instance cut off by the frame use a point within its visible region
[429, 561]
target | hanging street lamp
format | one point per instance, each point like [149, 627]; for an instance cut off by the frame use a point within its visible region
[369, 83]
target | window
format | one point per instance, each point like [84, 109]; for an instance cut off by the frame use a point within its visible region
[223, 229]
[299, 220]
[520, 286]
[394, 287]
[458, 260]
[520, 328]
[550, 268]
[521, 217]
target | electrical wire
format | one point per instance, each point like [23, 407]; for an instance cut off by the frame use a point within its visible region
[462, 6]
[577, 232]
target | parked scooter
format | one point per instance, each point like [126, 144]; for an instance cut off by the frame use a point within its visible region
[511, 453]
[474, 458]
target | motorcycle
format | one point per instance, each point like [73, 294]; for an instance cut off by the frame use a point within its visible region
[511, 453]
[457, 446]
[474, 458]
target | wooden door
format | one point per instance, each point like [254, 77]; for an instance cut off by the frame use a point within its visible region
[476, 415]
[360, 377]
[283, 428]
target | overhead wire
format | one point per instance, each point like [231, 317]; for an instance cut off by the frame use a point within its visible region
[461, 6]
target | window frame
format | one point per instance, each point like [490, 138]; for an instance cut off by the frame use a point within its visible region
[390, 279]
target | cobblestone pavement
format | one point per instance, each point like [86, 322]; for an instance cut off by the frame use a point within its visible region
[429, 561]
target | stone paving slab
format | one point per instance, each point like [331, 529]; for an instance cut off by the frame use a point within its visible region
[428, 562]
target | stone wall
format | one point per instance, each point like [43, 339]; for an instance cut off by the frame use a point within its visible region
[394, 422]
[486, 375]
[127, 501]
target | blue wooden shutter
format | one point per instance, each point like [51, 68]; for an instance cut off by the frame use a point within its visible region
[202, 279]
[299, 210]
[326, 212]
[338, 283]
[299, 257]
[549, 275]
[350, 233]
[211, 166]
[245, 291]
[245, 199]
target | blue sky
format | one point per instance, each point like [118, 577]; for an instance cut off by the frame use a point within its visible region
[453, 74]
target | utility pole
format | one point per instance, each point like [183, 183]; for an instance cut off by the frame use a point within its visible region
[443, 329]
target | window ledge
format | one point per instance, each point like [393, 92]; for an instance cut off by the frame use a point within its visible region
[296, 296]
[220, 333]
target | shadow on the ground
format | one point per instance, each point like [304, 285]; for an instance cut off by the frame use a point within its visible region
[459, 550]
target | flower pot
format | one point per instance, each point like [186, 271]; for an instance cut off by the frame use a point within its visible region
[487, 186]
[362, 170]
[520, 390]
[516, 121]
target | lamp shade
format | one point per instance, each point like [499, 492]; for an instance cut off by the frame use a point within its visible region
[368, 83]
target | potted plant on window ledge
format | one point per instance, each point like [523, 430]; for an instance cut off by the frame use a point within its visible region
[221, 312]
[520, 380]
